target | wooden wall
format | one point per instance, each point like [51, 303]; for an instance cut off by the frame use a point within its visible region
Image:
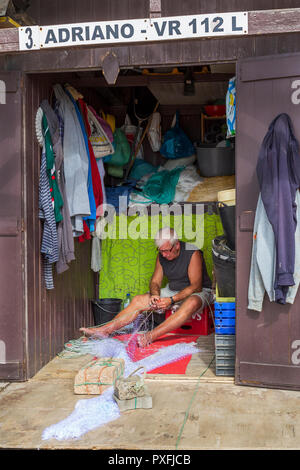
[71, 11]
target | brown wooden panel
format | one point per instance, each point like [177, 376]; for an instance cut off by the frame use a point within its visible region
[71, 11]
[265, 340]
[11, 235]
[276, 373]
[167, 53]
[290, 67]
[12, 371]
[170, 7]
[9, 40]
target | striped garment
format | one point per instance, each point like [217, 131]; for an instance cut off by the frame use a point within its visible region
[49, 246]
[60, 119]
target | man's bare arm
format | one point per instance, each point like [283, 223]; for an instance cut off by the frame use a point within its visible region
[156, 280]
[195, 276]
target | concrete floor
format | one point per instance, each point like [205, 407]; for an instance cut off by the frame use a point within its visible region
[221, 415]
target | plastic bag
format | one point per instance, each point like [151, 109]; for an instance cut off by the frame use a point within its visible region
[110, 119]
[122, 152]
[154, 133]
[115, 171]
[141, 168]
[102, 145]
[176, 143]
[161, 186]
[130, 131]
[231, 108]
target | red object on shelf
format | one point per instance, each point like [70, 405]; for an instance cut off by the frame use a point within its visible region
[215, 110]
[200, 324]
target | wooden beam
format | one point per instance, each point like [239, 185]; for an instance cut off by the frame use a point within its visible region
[9, 40]
[273, 22]
[264, 22]
[146, 80]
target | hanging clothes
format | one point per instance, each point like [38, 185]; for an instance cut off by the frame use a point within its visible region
[91, 218]
[76, 162]
[96, 180]
[64, 227]
[96, 254]
[101, 169]
[263, 260]
[51, 172]
[278, 172]
[49, 245]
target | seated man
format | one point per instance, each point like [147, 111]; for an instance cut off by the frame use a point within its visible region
[189, 286]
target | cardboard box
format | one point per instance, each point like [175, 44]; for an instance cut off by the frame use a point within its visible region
[98, 375]
[134, 403]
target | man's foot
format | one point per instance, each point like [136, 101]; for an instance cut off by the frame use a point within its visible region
[100, 331]
[144, 339]
[96, 332]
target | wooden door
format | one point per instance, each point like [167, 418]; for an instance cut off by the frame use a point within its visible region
[12, 338]
[268, 342]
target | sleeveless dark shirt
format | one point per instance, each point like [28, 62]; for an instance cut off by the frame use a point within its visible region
[176, 270]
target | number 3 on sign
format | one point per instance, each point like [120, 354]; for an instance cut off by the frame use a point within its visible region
[29, 38]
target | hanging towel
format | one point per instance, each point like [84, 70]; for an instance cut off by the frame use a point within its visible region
[278, 172]
[96, 254]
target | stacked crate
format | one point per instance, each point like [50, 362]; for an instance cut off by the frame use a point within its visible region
[225, 335]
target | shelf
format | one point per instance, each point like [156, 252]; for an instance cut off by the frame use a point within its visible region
[213, 117]
[204, 118]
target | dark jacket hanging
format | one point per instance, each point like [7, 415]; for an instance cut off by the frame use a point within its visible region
[278, 172]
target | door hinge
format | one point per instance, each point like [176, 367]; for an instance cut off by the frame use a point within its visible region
[21, 225]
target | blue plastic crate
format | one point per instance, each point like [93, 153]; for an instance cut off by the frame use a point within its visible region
[225, 318]
[225, 330]
[225, 309]
[225, 322]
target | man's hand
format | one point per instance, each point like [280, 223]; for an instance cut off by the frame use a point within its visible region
[164, 302]
[154, 299]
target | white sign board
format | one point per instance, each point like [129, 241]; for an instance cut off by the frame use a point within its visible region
[133, 31]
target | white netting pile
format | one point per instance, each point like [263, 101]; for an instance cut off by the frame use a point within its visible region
[92, 413]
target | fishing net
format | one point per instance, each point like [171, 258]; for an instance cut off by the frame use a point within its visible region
[92, 413]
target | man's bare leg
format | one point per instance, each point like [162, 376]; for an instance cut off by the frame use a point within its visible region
[184, 313]
[123, 318]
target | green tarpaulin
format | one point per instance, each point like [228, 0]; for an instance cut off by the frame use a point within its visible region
[128, 262]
